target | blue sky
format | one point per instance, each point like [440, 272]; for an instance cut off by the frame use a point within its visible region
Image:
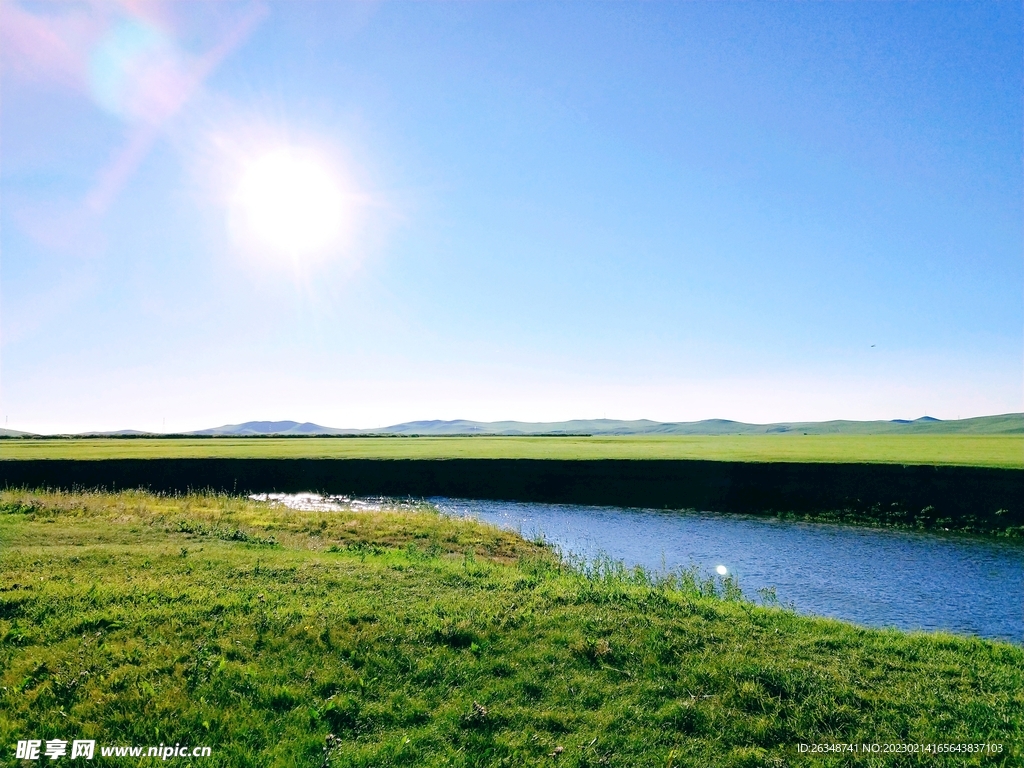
[535, 211]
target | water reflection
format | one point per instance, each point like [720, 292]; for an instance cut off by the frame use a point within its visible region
[314, 502]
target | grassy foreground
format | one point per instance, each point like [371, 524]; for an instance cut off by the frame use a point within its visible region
[415, 639]
[964, 450]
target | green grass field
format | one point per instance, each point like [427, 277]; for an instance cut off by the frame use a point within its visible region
[968, 450]
[413, 639]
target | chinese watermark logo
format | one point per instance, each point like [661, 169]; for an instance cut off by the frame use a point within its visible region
[34, 749]
[29, 749]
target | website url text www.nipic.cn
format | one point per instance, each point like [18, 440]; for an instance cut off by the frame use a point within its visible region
[54, 749]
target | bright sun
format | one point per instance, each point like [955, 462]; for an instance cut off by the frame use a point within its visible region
[288, 201]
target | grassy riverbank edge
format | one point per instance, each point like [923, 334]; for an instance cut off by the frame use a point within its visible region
[417, 639]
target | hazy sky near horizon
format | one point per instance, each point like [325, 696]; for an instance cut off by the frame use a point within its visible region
[361, 214]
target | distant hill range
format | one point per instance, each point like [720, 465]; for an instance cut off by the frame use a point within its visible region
[1006, 424]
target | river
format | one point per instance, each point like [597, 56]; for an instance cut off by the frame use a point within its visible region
[875, 577]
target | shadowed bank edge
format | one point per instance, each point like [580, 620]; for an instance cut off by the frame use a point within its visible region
[973, 499]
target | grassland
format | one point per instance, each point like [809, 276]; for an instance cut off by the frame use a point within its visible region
[420, 640]
[965, 450]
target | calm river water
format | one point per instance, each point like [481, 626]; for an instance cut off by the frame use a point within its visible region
[876, 577]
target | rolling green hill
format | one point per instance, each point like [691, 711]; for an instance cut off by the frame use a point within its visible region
[1005, 424]
[985, 425]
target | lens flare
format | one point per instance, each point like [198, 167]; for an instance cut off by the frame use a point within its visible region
[137, 73]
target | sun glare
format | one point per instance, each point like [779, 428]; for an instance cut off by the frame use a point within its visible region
[288, 202]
